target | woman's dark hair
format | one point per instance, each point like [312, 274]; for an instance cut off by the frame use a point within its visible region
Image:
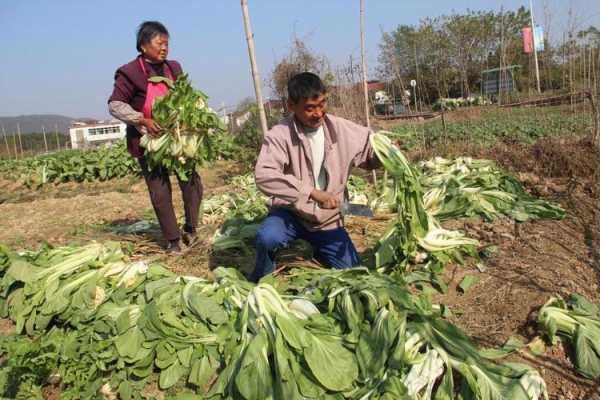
[305, 85]
[147, 31]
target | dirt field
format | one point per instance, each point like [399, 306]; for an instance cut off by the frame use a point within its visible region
[533, 260]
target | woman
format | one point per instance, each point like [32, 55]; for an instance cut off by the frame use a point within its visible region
[131, 102]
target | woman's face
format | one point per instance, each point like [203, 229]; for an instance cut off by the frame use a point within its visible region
[157, 49]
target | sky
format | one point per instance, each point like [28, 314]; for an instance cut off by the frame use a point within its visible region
[60, 55]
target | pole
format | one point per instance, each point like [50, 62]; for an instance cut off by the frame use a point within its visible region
[6, 141]
[15, 145]
[45, 141]
[364, 61]
[20, 142]
[56, 134]
[535, 55]
[255, 74]
[418, 106]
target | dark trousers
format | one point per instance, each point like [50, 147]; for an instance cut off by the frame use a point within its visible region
[332, 248]
[159, 187]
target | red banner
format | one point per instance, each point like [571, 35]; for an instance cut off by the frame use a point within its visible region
[527, 40]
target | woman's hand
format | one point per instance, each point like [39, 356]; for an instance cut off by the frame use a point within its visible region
[151, 126]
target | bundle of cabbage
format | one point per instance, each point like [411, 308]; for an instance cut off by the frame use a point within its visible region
[413, 230]
[187, 126]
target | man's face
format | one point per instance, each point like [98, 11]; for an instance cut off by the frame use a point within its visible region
[310, 112]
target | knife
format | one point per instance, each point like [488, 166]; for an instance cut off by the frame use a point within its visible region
[359, 210]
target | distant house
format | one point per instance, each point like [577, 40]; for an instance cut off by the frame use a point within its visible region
[88, 134]
[274, 105]
[375, 86]
[236, 119]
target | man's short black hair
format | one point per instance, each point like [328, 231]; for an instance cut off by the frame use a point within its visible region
[305, 85]
[147, 31]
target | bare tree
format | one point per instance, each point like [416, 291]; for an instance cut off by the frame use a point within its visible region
[299, 59]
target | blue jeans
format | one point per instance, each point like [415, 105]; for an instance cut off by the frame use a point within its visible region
[332, 248]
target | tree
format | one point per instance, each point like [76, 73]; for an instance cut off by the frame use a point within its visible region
[299, 59]
[447, 54]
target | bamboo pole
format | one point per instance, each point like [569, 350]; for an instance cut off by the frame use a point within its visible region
[15, 146]
[20, 141]
[45, 141]
[56, 134]
[364, 61]
[6, 141]
[253, 65]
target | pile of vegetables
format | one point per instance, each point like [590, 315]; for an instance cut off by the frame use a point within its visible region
[72, 166]
[415, 237]
[577, 321]
[104, 324]
[243, 201]
[465, 187]
[187, 125]
[460, 188]
[449, 104]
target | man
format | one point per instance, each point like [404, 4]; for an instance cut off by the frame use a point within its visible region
[303, 165]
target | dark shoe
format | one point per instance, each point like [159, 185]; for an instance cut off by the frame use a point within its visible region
[173, 248]
[189, 238]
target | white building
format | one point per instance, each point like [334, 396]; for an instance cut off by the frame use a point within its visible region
[95, 134]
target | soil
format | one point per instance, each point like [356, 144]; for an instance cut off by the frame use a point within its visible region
[533, 260]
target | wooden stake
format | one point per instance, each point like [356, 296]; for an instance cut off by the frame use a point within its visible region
[595, 111]
[45, 141]
[253, 65]
[15, 146]
[56, 133]
[20, 141]
[6, 141]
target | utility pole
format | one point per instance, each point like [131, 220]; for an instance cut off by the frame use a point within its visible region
[6, 141]
[255, 74]
[56, 133]
[535, 55]
[45, 141]
[20, 142]
[364, 61]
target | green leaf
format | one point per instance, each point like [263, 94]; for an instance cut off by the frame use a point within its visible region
[204, 307]
[130, 343]
[202, 372]
[467, 282]
[185, 356]
[170, 376]
[254, 380]
[333, 365]
[292, 330]
[125, 390]
[587, 361]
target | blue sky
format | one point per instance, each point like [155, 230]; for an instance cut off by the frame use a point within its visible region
[60, 55]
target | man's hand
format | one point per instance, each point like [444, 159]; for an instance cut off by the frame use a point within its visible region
[152, 127]
[325, 200]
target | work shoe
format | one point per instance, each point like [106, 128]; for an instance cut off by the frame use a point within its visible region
[173, 248]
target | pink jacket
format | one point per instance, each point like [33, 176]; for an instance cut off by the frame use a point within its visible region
[284, 167]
